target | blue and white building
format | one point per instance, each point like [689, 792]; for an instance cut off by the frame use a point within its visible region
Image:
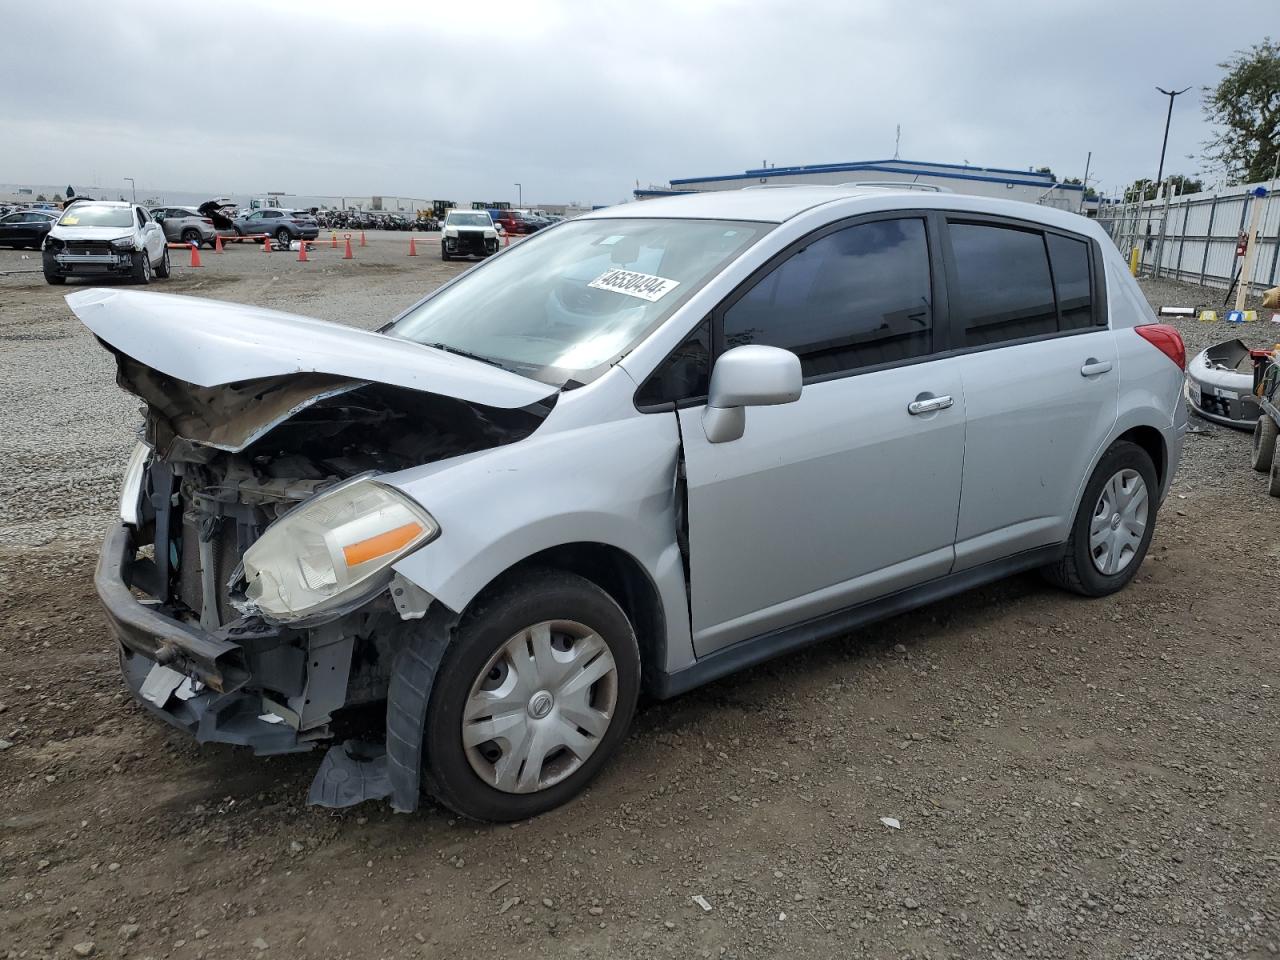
[1026, 185]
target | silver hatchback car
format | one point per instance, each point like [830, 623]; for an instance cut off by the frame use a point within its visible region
[638, 451]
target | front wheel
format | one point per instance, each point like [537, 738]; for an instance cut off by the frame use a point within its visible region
[534, 695]
[142, 267]
[54, 279]
[163, 269]
[1113, 525]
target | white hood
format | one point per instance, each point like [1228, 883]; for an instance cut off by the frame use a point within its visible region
[210, 343]
[76, 232]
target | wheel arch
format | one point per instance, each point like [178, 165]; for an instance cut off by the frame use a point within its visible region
[1152, 441]
[617, 573]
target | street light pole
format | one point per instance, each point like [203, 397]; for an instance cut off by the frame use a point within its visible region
[519, 195]
[1168, 117]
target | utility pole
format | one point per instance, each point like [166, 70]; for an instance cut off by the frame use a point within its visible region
[135, 188]
[1085, 187]
[1168, 117]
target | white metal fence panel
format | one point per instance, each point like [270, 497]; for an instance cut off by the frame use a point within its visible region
[1193, 237]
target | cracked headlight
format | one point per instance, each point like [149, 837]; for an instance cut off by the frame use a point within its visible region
[124, 243]
[332, 550]
[131, 488]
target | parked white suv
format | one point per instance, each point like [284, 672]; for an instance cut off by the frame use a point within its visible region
[468, 233]
[95, 238]
[652, 446]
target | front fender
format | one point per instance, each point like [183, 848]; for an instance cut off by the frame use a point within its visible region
[610, 483]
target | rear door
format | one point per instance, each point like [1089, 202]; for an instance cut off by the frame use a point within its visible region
[846, 494]
[1041, 384]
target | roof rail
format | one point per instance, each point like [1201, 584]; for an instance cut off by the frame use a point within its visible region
[897, 185]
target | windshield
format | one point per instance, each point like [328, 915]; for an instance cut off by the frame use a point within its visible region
[469, 220]
[96, 215]
[565, 303]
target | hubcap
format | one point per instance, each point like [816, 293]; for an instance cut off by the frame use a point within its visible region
[1119, 522]
[540, 706]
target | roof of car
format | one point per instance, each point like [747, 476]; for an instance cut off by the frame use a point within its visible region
[775, 204]
[104, 203]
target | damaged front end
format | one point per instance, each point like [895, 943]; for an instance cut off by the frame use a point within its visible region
[228, 627]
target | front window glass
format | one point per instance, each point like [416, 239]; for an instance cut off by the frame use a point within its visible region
[469, 220]
[564, 304]
[96, 215]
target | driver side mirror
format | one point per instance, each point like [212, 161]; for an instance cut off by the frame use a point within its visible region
[750, 376]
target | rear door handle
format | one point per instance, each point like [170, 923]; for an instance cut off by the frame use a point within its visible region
[1094, 367]
[931, 405]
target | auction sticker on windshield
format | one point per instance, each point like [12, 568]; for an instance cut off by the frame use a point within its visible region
[642, 285]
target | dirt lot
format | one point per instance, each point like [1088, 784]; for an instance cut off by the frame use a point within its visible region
[1072, 778]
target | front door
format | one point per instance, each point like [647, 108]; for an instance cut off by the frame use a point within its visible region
[851, 492]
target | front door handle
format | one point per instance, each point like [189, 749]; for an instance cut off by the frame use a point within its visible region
[1094, 367]
[931, 405]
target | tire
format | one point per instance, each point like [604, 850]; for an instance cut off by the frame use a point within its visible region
[1078, 570]
[54, 279]
[165, 268]
[190, 237]
[565, 605]
[142, 267]
[283, 237]
[444, 256]
[1264, 443]
[1273, 483]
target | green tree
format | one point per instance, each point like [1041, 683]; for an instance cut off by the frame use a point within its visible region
[1089, 193]
[40, 198]
[1178, 185]
[1245, 106]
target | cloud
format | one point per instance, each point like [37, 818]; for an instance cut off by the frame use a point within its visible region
[577, 101]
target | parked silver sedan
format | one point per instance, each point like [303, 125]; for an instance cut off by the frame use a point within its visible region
[642, 449]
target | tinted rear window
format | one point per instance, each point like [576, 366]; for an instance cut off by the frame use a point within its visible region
[1070, 260]
[1002, 288]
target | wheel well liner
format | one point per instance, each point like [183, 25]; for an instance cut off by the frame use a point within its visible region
[1150, 440]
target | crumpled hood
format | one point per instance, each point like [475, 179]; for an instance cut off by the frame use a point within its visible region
[210, 343]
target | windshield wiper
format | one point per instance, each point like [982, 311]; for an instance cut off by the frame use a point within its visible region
[464, 353]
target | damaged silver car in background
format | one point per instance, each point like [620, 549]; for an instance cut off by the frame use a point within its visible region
[649, 446]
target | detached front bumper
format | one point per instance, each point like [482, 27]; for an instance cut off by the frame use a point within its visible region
[189, 677]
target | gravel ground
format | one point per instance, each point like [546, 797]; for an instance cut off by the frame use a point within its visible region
[1070, 778]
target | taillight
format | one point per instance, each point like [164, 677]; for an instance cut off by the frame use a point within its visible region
[1166, 339]
[208, 221]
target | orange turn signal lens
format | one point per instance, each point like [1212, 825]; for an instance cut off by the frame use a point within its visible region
[363, 551]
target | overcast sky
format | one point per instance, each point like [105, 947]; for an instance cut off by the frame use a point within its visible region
[579, 100]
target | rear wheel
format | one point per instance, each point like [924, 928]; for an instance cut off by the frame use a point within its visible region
[54, 278]
[1113, 525]
[283, 237]
[1264, 443]
[191, 236]
[533, 696]
[1273, 484]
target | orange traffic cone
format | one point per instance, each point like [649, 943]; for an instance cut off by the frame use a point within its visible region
[413, 248]
[195, 255]
[362, 238]
[333, 239]
[266, 245]
[348, 255]
[302, 251]
[217, 243]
